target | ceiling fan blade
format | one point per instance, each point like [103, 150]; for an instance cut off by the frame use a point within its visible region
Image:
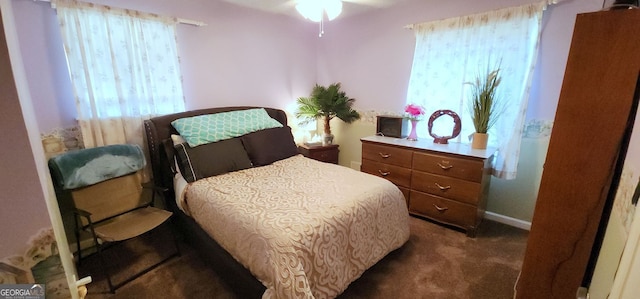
[279, 6]
[373, 3]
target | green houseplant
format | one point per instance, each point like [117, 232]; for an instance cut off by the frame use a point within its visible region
[326, 103]
[484, 105]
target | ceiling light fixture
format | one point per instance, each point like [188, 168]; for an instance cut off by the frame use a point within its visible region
[315, 10]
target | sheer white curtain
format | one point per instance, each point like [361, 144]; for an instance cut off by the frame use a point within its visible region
[451, 52]
[124, 68]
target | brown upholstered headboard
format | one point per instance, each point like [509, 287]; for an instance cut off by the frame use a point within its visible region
[159, 128]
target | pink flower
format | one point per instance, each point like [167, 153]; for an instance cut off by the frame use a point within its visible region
[414, 111]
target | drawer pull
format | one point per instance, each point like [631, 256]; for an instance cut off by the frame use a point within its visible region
[443, 187]
[440, 209]
[384, 173]
[384, 156]
[447, 167]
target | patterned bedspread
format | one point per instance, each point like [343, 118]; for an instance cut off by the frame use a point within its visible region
[304, 228]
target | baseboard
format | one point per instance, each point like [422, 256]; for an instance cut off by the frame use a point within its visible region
[508, 220]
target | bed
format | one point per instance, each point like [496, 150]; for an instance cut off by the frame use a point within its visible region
[289, 227]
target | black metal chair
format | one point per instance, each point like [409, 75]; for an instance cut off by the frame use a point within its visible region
[111, 206]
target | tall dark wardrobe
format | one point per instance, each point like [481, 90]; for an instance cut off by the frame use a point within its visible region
[596, 102]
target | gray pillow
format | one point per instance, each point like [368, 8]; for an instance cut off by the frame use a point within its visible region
[211, 159]
[267, 146]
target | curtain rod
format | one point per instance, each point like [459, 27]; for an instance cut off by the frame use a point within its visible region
[549, 2]
[191, 22]
[179, 20]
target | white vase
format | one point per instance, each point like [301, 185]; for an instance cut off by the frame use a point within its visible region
[413, 135]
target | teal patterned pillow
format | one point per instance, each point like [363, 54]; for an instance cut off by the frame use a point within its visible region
[209, 128]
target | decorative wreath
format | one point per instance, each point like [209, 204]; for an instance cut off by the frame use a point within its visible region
[457, 126]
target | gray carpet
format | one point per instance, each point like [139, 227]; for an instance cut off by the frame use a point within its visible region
[436, 262]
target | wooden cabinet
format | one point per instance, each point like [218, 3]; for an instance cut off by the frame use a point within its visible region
[447, 183]
[597, 97]
[327, 153]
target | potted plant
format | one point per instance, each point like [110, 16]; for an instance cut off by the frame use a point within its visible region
[484, 105]
[326, 103]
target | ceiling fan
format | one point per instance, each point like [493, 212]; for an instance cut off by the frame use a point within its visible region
[288, 6]
[315, 10]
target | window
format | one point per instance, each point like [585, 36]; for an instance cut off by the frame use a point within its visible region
[451, 52]
[124, 68]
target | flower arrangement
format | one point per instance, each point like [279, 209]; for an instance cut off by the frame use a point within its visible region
[414, 112]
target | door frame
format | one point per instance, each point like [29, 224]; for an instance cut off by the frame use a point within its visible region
[39, 157]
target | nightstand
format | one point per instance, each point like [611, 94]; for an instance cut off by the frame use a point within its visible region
[327, 153]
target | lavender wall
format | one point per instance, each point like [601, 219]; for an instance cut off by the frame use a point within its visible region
[23, 211]
[371, 54]
[242, 57]
[246, 56]
[249, 57]
[44, 63]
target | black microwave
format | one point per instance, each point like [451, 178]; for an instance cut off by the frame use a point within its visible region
[392, 126]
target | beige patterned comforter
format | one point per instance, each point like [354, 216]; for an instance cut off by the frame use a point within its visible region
[304, 228]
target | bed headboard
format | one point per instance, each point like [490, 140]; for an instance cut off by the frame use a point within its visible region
[159, 128]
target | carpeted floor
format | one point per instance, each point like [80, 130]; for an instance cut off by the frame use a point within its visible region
[436, 262]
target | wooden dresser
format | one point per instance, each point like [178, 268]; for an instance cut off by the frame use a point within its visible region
[447, 183]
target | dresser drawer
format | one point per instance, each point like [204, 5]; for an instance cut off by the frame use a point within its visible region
[443, 210]
[387, 154]
[396, 174]
[466, 169]
[447, 183]
[452, 188]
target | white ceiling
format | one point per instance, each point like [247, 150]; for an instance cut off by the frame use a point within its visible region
[287, 7]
